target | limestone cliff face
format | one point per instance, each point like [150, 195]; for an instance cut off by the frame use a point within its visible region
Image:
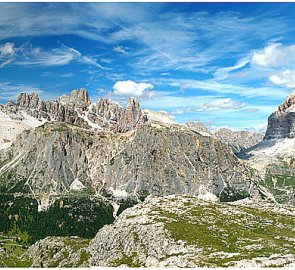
[154, 159]
[281, 123]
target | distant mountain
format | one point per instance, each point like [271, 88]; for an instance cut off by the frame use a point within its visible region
[237, 140]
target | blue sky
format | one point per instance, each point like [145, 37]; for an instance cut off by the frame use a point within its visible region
[226, 64]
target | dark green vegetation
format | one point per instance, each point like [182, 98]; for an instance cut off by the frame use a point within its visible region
[22, 225]
[231, 196]
[241, 232]
[74, 215]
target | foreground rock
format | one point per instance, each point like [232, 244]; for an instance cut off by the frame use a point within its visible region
[59, 252]
[179, 231]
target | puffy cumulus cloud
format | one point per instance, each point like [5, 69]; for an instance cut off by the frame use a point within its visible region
[131, 88]
[7, 51]
[274, 55]
[285, 78]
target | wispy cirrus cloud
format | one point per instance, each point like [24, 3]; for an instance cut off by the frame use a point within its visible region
[213, 86]
[27, 55]
[166, 39]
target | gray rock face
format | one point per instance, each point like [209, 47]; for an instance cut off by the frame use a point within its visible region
[155, 159]
[281, 123]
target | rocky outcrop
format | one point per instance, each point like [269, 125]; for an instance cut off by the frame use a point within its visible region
[179, 231]
[281, 123]
[59, 252]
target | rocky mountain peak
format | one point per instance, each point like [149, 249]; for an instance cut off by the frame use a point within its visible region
[133, 103]
[25, 100]
[78, 98]
[76, 109]
[287, 103]
[199, 127]
[81, 94]
[281, 123]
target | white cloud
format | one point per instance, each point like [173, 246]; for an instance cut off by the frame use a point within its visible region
[120, 49]
[285, 78]
[214, 105]
[131, 88]
[223, 104]
[274, 55]
[7, 49]
[183, 87]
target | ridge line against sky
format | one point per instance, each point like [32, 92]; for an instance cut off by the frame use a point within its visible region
[227, 64]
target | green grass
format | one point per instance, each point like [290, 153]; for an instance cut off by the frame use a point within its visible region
[128, 260]
[84, 256]
[213, 231]
[14, 256]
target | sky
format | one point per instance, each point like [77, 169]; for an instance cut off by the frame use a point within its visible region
[225, 64]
